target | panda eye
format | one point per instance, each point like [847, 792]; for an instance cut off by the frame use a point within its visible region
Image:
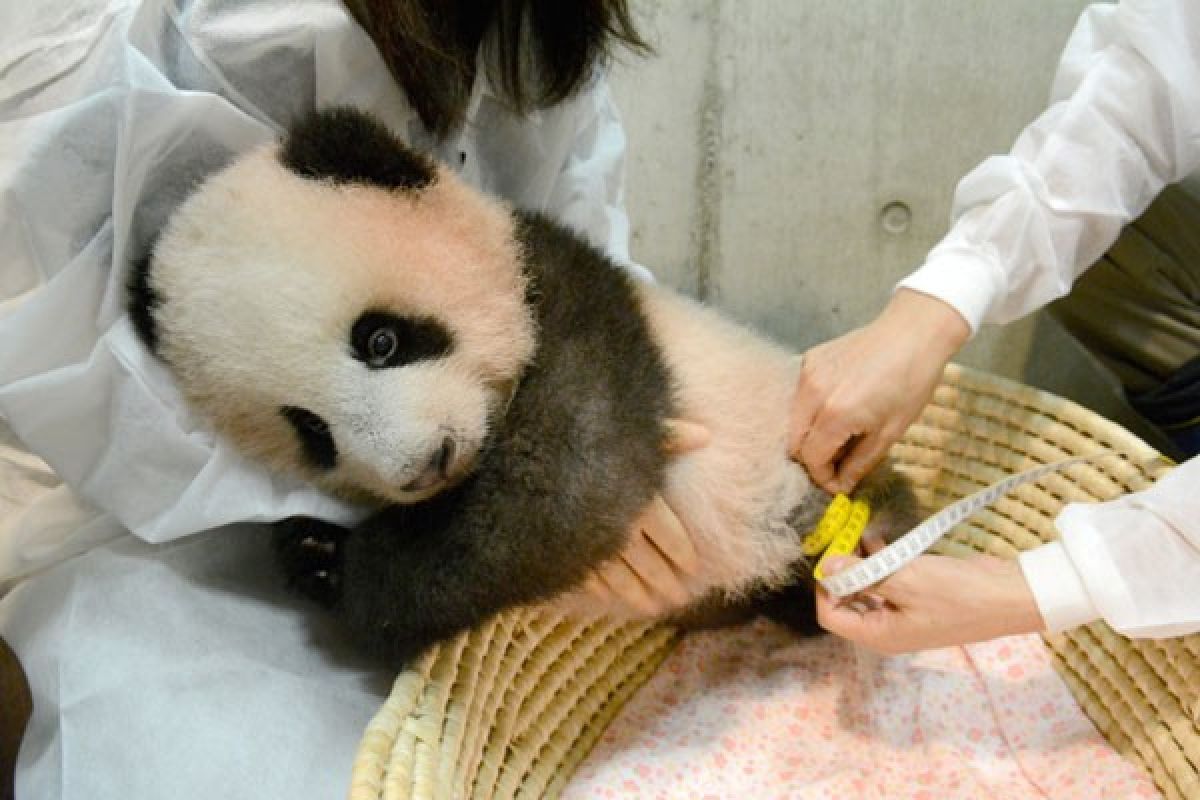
[314, 424]
[313, 433]
[381, 345]
[382, 340]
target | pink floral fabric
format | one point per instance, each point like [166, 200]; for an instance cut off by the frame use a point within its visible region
[756, 713]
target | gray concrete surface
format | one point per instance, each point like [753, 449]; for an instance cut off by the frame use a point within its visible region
[790, 160]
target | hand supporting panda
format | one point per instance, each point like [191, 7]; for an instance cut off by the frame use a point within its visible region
[647, 579]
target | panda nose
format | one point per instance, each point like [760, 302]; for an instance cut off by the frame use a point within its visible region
[438, 468]
[444, 457]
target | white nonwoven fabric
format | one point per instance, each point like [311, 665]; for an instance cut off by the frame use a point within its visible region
[169, 663]
[184, 670]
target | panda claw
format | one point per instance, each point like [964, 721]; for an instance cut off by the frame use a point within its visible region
[308, 552]
[328, 548]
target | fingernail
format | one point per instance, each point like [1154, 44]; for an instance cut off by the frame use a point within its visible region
[871, 543]
[836, 565]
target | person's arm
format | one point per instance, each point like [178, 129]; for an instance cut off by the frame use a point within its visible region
[936, 601]
[841, 427]
[1125, 121]
[589, 191]
[1133, 562]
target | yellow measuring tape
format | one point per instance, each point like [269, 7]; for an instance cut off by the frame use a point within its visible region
[838, 532]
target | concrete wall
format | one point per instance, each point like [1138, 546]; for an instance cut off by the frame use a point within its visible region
[790, 160]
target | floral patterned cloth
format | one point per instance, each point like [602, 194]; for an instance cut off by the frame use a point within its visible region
[756, 713]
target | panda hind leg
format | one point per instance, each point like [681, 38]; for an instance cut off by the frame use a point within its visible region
[793, 605]
[894, 507]
[894, 511]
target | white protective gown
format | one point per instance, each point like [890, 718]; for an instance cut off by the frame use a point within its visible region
[1124, 122]
[168, 663]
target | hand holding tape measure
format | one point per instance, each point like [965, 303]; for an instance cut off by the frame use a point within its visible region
[843, 524]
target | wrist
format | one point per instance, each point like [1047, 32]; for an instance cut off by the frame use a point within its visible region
[932, 321]
[1057, 588]
[1019, 606]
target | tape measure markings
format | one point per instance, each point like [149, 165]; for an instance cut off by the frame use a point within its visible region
[912, 544]
[845, 539]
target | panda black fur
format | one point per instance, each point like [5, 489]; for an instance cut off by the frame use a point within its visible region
[571, 421]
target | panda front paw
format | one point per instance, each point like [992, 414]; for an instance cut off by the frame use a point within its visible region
[309, 552]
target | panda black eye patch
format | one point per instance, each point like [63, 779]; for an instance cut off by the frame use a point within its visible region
[382, 340]
[314, 436]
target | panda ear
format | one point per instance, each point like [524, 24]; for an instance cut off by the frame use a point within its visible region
[144, 300]
[345, 145]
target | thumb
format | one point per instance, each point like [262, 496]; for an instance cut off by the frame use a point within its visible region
[860, 458]
[887, 589]
[837, 564]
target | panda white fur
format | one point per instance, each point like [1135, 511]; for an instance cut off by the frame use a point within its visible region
[343, 308]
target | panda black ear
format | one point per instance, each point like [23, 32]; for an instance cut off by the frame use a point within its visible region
[345, 145]
[143, 303]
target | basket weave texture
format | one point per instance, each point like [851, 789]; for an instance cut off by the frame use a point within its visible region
[510, 709]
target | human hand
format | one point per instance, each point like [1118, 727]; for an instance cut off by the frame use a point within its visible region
[857, 394]
[936, 601]
[648, 577]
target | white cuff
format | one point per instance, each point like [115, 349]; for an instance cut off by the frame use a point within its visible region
[1057, 588]
[961, 277]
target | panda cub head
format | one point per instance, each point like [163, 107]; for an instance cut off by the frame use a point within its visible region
[341, 308]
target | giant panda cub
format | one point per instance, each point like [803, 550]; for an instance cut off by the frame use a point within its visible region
[344, 309]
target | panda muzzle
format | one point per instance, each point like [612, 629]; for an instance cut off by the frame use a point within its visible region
[438, 469]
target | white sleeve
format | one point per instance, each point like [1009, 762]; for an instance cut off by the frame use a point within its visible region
[1123, 123]
[589, 192]
[1134, 561]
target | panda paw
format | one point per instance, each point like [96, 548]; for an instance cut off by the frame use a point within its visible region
[309, 551]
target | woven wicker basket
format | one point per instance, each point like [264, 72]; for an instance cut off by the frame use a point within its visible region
[512, 708]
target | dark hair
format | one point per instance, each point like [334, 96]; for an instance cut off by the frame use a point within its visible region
[537, 52]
